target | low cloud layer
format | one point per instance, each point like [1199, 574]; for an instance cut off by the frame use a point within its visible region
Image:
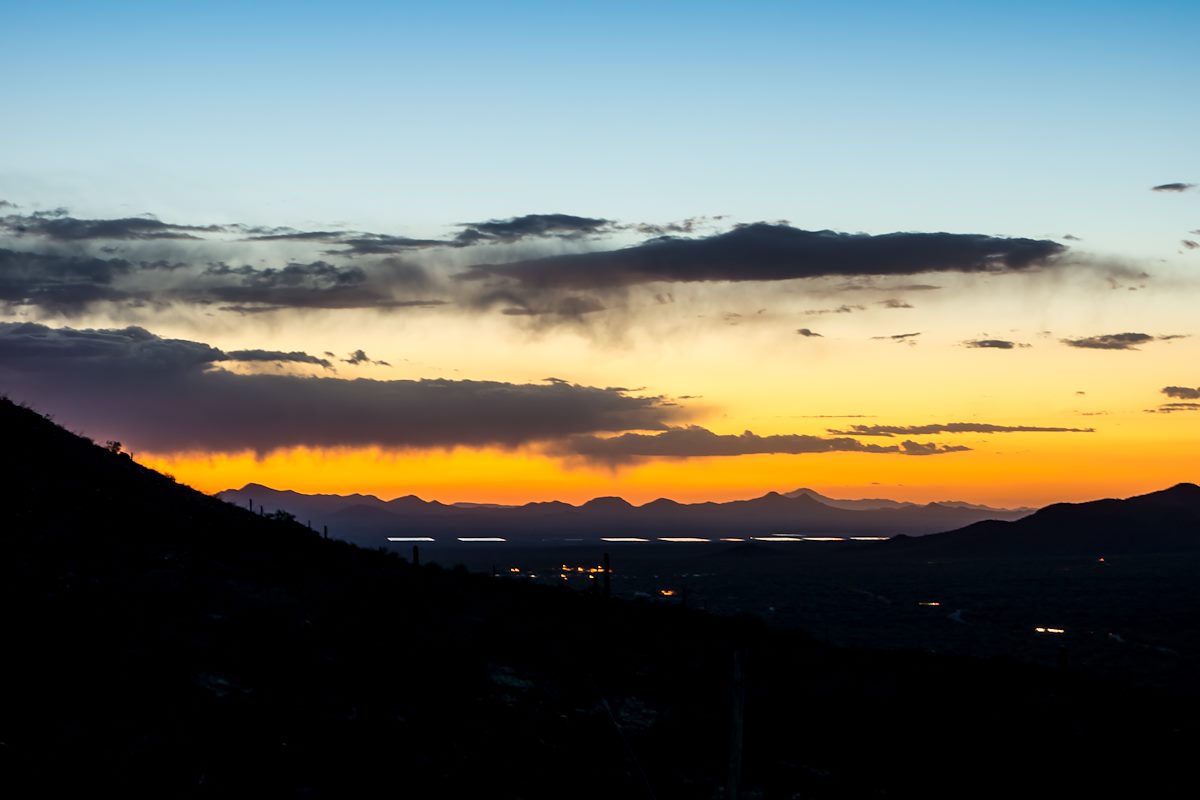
[165, 395]
[695, 442]
[1172, 187]
[767, 252]
[950, 427]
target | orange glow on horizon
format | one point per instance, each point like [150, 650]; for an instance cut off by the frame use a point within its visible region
[1005, 470]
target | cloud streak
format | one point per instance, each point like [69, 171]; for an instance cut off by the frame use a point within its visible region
[697, 442]
[992, 344]
[950, 427]
[277, 356]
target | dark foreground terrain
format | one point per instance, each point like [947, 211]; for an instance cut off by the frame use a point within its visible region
[160, 643]
[1133, 616]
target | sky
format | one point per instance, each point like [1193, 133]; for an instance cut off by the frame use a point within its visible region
[502, 253]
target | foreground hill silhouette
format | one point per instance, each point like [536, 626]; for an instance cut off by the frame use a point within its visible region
[369, 520]
[1160, 522]
[161, 643]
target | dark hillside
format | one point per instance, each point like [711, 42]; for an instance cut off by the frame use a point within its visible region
[1160, 522]
[161, 643]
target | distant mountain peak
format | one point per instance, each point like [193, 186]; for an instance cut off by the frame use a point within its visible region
[607, 503]
[663, 502]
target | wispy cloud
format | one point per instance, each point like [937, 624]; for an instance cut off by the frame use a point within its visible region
[842, 309]
[950, 427]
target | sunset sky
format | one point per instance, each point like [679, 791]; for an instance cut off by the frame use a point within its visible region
[510, 252]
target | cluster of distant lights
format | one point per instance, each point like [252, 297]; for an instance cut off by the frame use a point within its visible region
[671, 539]
[566, 572]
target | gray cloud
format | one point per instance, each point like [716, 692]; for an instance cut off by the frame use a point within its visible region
[360, 357]
[538, 226]
[695, 441]
[1118, 341]
[569, 306]
[353, 242]
[294, 356]
[60, 281]
[894, 303]
[768, 252]
[806, 332]
[318, 284]
[1170, 408]
[1172, 187]
[495, 231]
[164, 395]
[997, 344]
[842, 309]
[898, 337]
[1189, 244]
[68, 283]
[58, 226]
[1182, 392]
[689, 225]
[950, 427]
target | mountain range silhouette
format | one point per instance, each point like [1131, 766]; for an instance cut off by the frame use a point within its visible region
[367, 519]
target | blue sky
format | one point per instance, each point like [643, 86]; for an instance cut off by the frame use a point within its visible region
[1047, 288]
[1015, 118]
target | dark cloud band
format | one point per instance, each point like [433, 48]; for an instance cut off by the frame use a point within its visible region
[767, 252]
[164, 395]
